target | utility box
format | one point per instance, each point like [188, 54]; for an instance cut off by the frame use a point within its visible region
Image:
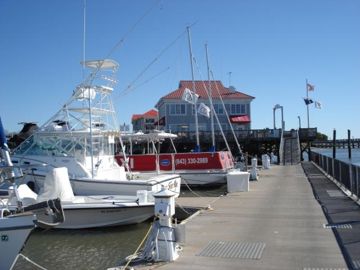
[237, 181]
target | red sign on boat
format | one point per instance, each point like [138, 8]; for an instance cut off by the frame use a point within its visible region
[179, 161]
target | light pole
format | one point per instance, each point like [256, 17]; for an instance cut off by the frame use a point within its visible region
[277, 106]
[299, 121]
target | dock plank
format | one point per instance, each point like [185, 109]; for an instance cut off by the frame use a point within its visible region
[280, 211]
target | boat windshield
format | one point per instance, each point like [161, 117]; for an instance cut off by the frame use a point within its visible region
[74, 146]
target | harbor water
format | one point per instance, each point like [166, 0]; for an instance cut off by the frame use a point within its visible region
[81, 249]
[90, 249]
[341, 154]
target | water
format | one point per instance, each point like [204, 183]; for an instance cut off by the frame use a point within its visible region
[81, 249]
[91, 249]
[341, 154]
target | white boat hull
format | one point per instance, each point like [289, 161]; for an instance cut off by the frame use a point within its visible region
[203, 178]
[116, 187]
[14, 232]
[199, 177]
[78, 216]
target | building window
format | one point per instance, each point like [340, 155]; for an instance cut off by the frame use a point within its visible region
[177, 109]
[219, 108]
[238, 109]
[149, 121]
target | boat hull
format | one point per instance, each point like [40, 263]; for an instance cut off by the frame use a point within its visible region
[82, 216]
[84, 186]
[14, 232]
[195, 169]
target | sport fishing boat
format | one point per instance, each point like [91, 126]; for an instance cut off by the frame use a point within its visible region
[86, 211]
[195, 168]
[81, 137]
[16, 224]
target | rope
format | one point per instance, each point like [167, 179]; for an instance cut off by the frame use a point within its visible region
[117, 45]
[227, 116]
[129, 87]
[196, 194]
[216, 116]
[132, 256]
[27, 259]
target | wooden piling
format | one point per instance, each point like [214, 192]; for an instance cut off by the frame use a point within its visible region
[334, 143]
[349, 143]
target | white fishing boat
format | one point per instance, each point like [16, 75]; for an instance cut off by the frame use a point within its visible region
[17, 223]
[195, 168]
[86, 211]
[81, 137]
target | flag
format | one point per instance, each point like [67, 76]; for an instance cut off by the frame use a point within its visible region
[189, 96]
[308, 101]
[317, 105]
[204, 110]
[310, 87]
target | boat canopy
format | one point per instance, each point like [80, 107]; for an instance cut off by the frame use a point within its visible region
[101, 64]
[153, 136]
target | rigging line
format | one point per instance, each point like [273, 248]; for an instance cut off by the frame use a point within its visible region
[153, 61]
[132, 88]
[119, 43]
[227, 115]
[216, 116]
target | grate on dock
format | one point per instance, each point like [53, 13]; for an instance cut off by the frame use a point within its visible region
[337, 226]
[334, 193]
[322, 268]
[240, 250]
[356, 264]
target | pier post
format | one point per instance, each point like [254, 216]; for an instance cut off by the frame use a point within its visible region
[334, 144]
[166, 248]
[349, 143]
[253, 171]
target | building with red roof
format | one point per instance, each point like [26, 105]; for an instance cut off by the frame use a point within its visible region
[144, 122]
[231, 106]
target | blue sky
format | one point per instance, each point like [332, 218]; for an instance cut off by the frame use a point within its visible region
[270, 48]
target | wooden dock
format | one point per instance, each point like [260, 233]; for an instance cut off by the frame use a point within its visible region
[278, 224]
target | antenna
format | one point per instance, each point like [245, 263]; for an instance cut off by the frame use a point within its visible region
[84, 39]
[229, 73]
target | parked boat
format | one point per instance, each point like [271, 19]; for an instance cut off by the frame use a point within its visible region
[17, 223]
[86, 211]
[195, 168]
[81, 137]
[14, 232]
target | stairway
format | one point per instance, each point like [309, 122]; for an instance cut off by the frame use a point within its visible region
[290, 152]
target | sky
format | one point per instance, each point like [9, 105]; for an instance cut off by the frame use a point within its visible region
[264, 48]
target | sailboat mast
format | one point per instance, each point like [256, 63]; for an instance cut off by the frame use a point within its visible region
[211, 102]
[197, 147]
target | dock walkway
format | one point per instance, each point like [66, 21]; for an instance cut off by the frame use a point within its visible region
[279, 224]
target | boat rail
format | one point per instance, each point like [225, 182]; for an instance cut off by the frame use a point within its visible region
[347, 174]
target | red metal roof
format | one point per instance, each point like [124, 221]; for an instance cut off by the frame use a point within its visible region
[149, 114]
[201, 88]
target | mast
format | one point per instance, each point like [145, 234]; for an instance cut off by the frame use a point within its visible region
[197, 147]
[211, 103]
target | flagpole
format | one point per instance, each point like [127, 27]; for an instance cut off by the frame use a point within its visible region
[307, 105]
[197, 147]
